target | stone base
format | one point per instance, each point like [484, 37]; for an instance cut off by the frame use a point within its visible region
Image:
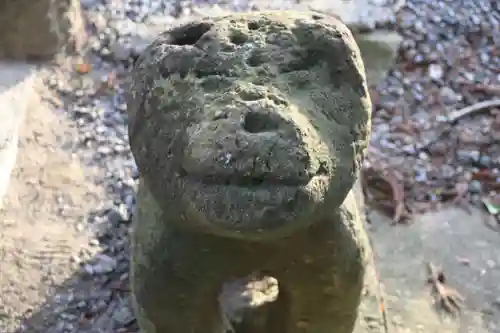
[37, 29]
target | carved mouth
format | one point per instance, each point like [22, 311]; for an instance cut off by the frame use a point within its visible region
[248, 181]
[252, 208]
[252, 185]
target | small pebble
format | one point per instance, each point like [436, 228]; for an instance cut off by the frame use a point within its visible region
[436, 72]
[475, 187]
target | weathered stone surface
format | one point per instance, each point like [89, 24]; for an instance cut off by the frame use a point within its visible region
[177, 273]
[248, 125]
[38, 29]
[16, 89]
[249, 131]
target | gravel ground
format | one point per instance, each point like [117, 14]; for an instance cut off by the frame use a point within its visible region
[448, 61]
[437, 113]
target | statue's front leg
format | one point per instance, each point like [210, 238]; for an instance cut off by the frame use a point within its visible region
[323, 280]
[174, 289]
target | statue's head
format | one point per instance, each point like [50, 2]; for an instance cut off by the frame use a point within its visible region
[251, 125]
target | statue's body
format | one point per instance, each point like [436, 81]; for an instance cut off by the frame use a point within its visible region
[249, 131]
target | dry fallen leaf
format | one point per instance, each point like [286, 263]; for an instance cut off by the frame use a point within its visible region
[83, 68]
[388, 191]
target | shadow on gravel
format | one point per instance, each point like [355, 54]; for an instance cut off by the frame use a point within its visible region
[95, 299]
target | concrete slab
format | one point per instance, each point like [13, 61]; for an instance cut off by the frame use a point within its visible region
[16, 89]
[378, 49]
[468, 252]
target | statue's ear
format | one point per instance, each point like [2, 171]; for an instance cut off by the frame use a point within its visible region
[378, 50]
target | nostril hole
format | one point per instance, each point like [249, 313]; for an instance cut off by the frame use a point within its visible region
[253, 25]
[189, 34]
[238, 38]
[258, 122]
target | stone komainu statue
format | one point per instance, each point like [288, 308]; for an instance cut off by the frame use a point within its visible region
[249, 131]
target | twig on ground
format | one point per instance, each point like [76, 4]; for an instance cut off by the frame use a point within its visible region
[492, 222]
[398, 195]
[485, 88]
[446, 297]
[462, 197]
[381, 298]
[456, 115]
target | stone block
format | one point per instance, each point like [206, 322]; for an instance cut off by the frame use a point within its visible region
[38, 29]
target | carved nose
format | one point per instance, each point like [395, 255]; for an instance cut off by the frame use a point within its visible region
[258, 122]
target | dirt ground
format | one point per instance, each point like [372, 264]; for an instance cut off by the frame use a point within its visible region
[41, 222]
[466, 248]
